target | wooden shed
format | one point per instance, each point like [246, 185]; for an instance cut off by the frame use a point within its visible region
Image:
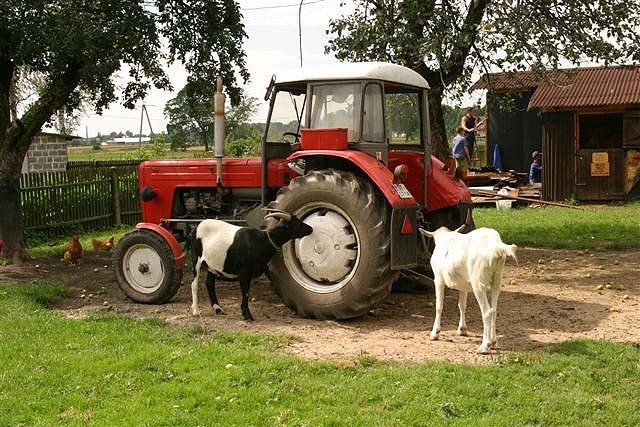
[586, 122]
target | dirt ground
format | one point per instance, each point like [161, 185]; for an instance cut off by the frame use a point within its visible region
[550, 297]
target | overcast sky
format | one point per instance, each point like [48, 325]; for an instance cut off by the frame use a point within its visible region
[272, 45]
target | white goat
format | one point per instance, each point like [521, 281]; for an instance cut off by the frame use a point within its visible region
[469, 262]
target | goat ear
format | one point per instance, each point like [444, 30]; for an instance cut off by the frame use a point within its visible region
[459, 229]
[425, 232]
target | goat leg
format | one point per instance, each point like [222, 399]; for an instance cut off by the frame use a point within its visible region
[211, 290]
[194, 293]
[487, 316]
[439, 287]
[245, 284]
[462, 306]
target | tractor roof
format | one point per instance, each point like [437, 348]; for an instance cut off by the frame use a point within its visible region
[385, 71]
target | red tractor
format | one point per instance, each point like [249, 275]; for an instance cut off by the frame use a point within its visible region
[346, 148]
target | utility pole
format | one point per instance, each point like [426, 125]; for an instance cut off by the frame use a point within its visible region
[144, 112]
[141, 121]
[300, 29]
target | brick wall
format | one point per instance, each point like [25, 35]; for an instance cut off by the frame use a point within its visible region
[48, 152]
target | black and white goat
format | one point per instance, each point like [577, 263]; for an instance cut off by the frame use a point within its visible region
[471, 262]
[238, 253]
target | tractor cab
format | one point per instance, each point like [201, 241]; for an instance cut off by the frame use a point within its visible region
[380, 109]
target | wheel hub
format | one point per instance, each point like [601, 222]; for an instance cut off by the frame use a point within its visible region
[329, 253]
[143, 268]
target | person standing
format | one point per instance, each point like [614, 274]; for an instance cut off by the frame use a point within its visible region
[460, 152]
[468, 123]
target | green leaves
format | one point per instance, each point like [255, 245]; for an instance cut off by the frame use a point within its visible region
[88, 41]
[447, 42]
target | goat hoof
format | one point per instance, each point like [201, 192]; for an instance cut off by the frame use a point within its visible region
[483, 349]
[195, 311]
[218, 310]
[493, 344]
[249, 318]
[433, 336]
[462, 332]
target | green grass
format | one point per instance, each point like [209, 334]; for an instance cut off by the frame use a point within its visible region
[126, 152]
[113, 370]
[592, 227]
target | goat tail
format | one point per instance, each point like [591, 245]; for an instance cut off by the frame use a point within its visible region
[502, 251]
[510, 250]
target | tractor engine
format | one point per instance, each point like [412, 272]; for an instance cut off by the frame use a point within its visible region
[197, 203]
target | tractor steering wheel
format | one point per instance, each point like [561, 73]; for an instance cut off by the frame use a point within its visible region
[286, 135]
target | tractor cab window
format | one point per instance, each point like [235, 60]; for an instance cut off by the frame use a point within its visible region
[403, 118]
[373, 116]
[286, 116]
[337, 106]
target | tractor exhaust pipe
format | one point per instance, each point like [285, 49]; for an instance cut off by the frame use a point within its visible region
[218, 126]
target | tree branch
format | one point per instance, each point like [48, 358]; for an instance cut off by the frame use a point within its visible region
[54, 97]
[454, 65]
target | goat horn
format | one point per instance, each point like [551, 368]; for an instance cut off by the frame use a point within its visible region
[279, 215]
[425, 232]
[459, 229]
[272, 210]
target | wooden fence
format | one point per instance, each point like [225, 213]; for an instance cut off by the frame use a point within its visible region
[97, 197]
[84, 164]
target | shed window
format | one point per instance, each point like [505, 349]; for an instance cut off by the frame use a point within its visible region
[600, 131]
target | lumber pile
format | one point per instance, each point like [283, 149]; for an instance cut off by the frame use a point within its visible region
[487, 186]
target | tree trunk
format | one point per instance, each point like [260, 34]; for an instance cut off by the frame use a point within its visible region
[436, 118]
[11, 225]
[13, 149]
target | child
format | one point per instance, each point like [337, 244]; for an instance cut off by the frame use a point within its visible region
[535, 170]
[460, 152]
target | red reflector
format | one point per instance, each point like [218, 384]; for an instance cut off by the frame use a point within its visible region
[407, 228]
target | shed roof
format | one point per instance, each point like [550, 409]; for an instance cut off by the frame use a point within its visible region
[571, 88]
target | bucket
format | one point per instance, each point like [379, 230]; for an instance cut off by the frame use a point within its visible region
[503, 205]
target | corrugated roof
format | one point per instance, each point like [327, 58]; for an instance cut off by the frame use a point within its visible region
[568, 88]
[507, 81]
[590, 87]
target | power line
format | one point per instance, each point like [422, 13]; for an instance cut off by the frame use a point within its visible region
[280, 6]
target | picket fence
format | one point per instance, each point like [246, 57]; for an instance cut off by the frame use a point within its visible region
[87, 198]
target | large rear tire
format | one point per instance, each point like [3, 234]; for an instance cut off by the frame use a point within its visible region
[343, 268]
[145, 268]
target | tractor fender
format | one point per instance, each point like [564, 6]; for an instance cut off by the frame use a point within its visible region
[178, 255]
[377, 172]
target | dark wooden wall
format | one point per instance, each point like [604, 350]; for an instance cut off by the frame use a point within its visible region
[517, 130]
[558, 156]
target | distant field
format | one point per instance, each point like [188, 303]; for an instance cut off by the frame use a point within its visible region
[128, 152]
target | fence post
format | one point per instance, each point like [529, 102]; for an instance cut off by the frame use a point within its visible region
[115, 197]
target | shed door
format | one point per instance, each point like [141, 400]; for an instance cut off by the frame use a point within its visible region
[600, 174]
[600, 157]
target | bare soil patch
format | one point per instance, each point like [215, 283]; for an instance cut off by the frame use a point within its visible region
[550, 297]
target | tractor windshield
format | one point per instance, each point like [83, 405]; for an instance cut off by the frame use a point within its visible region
[287, 115]
[337, 106]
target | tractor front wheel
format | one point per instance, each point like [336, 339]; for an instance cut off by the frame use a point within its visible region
[145, 268]
[343, 268]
